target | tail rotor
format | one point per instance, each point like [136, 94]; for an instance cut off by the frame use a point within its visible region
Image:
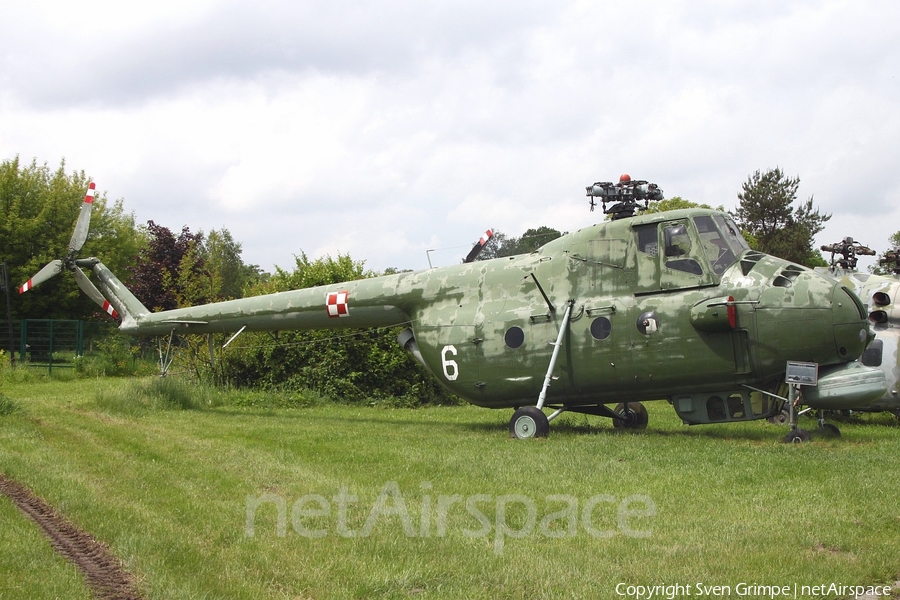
[70, 262]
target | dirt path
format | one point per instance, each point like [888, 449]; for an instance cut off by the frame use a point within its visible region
[101, 569]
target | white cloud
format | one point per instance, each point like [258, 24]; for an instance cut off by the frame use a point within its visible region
[385, 129]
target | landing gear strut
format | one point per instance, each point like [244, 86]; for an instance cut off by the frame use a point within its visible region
[530, 421]
[796, 436]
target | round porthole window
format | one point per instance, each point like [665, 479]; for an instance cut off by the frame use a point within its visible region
[515, 337]
[648, 323]
[601, 328]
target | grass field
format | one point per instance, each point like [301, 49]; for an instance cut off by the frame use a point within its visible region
[435, 502]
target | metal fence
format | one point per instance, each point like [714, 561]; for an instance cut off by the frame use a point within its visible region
[55, 343]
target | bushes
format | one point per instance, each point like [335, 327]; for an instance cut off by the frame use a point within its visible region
[355, 366]
[362, 365]
[114, 355]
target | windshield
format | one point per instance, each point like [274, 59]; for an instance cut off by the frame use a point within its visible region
[722, 241]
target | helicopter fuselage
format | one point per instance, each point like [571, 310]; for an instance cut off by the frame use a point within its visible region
[670, 306]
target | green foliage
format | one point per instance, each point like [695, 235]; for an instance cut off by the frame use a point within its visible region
[136, 397]
[170, 272]
[7, 406]
[889, 260]
[362, 365]
[114, 355]
[767, 215]
[38, 210]
[675, 203]
[168, 492]
[501, 245]
[307, 273]
[227, 272]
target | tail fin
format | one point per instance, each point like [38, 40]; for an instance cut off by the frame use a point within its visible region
[130, 309]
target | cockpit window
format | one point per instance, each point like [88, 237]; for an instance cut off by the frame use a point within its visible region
[678, 250]
[722, 242]
[731, 234]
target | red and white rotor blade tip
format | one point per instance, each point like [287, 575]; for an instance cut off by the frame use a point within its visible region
[54, 267]
[93, 293]
[83, 224]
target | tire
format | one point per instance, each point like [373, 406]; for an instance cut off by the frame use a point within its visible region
[829, 430]
[797, 436]
[635, 416]
[529, 422]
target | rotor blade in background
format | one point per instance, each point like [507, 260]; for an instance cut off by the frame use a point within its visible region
[54, 267]
[83, 224]
[93, 293]
[479, 246]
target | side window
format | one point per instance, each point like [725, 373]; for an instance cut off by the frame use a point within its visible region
[677, 250]
[646, 240]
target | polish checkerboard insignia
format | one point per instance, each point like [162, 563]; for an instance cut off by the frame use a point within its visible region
[336, 304]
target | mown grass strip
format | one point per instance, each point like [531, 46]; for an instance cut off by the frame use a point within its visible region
[168, 486]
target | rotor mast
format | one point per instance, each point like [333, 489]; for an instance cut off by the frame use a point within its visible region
[624, 195]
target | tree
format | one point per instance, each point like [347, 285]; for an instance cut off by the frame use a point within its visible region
[889, 260]
[501, 245]
[170, 272]
[38, 210]
[228, 275]
[675, 203]
[772, 224]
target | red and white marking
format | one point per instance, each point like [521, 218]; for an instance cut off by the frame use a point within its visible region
[89, 196]
[26, 286]
[108, 308]
[336, 303]
[484, 239]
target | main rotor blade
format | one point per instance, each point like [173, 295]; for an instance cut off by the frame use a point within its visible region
[93, 293]
[83, 224]
[479, 246]
[54, 267]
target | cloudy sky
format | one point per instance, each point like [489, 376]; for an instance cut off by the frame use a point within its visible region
[385, 129]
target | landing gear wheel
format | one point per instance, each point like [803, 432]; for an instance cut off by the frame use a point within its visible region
[529, 422]
[796, 436]
[829, 430]
[781, 418]
[634, 416]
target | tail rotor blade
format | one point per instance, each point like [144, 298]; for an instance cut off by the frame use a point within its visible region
[84, 220]
[52, 268]
[93, 293]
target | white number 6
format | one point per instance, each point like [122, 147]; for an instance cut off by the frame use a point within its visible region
[451, 369]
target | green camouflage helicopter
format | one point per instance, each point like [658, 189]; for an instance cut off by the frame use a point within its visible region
[671, 306]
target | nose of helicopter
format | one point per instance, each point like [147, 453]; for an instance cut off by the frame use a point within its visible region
[810, 318]
[850, 323]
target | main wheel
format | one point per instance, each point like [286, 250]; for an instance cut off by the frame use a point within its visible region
[829, 430]
[797, 436]
[633, 417]
[529, 422]
[781, 418]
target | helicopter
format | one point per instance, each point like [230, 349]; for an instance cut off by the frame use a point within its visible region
[672, 306]
[878, 294]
